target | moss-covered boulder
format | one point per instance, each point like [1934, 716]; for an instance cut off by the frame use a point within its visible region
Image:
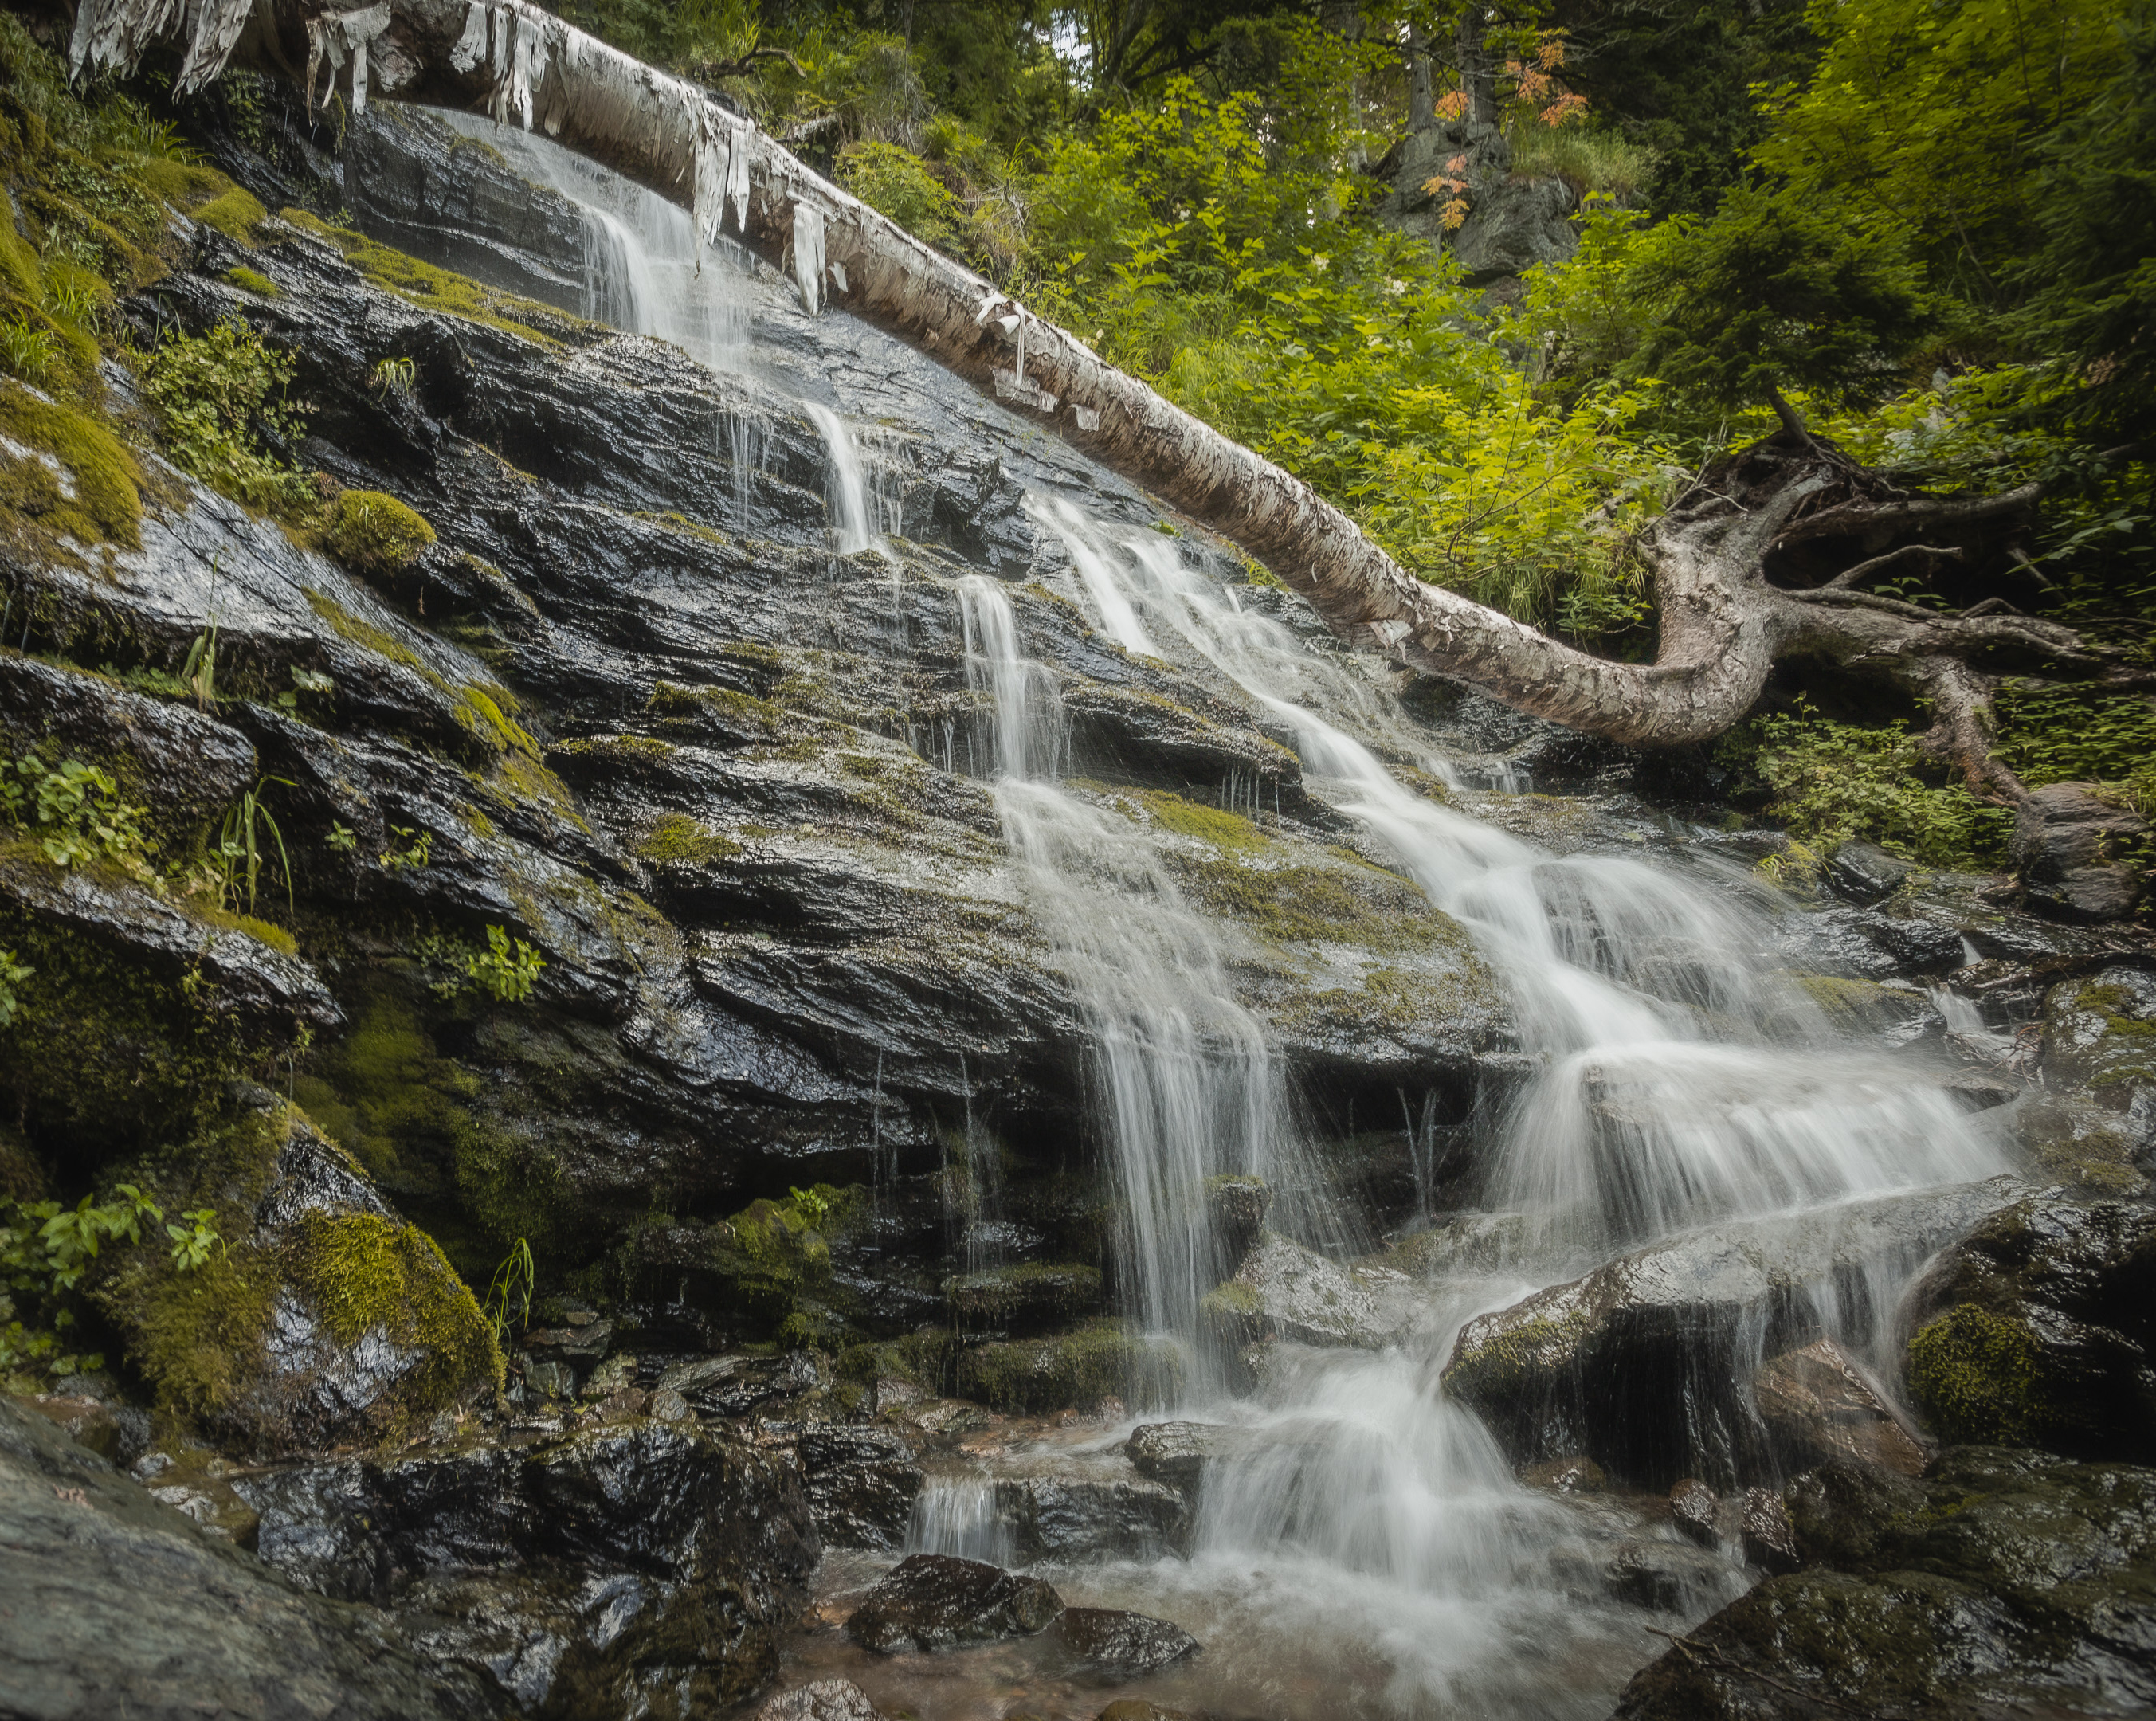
[1102, 1359]
[318, 1317]
[1030, 1297]
[2007, 1583]
[371, 532]
[2039, 1328]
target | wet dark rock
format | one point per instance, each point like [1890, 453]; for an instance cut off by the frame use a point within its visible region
[117, 1604]
[1034, 1297]
[1818, 1406]
[1116, 1645]
[2092, 1123]
[1177, 1453]
[826, 1700]
[2066, 839]
[1077, 1517]
[189, 768]
[119, 1434]
[1694, 1506]
[735, 1385]
[2040, 1326]
[1138, 1708]
[1867, 944]
[1664, 1576]
[1766, 1533]
[1565, 1475]
[932, 1602]
[1236, 1207]
[1633, 1365]
[861, 1484]
[618, 1560]
[2007, 1583]
[1866, 874]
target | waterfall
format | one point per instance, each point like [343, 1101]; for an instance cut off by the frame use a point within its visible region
[1186, 1082]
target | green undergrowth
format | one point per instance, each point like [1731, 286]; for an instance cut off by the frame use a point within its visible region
[95, 498]
[775, 1255]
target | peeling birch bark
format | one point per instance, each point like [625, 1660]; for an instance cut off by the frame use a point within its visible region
[1724, 623]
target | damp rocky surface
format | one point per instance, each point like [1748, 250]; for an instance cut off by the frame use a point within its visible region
[798, 1104]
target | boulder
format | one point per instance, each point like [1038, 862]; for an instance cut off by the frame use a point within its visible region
[1694, 1506]
[117, 1604]
[1664, 1576]
[2066, 849]
[2092, 1123]
[1176, 1453]
[861, 1484]
[2039, 1327]
[2008, 1583]
[1236, 1209]
[1767, 1534]
[1079, 1517]
[1115, 1645]
[1030, 1298]
[932, 1602]
[589, 1572]
[1642, 1364]
[1818, 1406]
[1285, 1290]
[826, 1700]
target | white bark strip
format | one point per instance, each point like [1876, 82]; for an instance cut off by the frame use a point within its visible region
[1722, 623]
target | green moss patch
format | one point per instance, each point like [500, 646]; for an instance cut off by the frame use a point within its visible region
[248, 281]
[238, 215]
[1100, 1360]
[1978, 1377]
[86, 490]
[1187, 818]
[368, 1274]
[678, 840]
[372, 532]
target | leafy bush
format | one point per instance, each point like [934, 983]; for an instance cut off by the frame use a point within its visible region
[2080, 735]
[218, 396]
[76, 811]
[47, 1248]
[508, 974]
[1831, 782]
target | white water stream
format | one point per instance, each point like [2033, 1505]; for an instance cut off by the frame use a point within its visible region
[1374, 1556]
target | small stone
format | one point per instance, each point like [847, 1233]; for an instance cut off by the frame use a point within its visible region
[1124, 1646]
[826, 1700]
[1692, 1508]
[935, 1601]
[623, 1406]
[668, 1405]
[1770, 1538]
[580, 1317]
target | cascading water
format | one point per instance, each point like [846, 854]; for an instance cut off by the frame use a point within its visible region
[1369, 1553]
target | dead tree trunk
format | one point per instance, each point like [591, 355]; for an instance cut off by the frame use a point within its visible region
[1724, 622]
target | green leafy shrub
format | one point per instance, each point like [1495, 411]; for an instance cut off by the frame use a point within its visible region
[371, 532]
[75, 810]
[47, 1248]
[508, 975]
[216, 395]
[12, 974]
[2069, 734]
[1831, 782]
[896, 183]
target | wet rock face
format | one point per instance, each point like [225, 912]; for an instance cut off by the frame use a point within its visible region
[1818, 1406]
[861, 1485]
[1639, 1364]
[2008, 1582]
[117, 1604]
[1082, 1516]
[2041, 1326]
[1283, 1290]
[934, 1601]
[587, 1573]
[1118, 1645]
[2066, 848]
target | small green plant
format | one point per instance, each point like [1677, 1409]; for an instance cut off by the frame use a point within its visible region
[811, 1206]
[394, 376]
[304, 681]
[193, 1241]
[12, 974]
[240, 851]
[26, 352]
[76, 810]
[417, 850]
[509, 974]
[199, 673]
[218, 397]
[343, 839]
[509, 1297]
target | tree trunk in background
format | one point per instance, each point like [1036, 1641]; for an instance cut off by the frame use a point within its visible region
[1722, 622]
[1478, 73]
[1421, 97]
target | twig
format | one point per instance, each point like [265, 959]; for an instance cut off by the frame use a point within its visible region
[1849, 577]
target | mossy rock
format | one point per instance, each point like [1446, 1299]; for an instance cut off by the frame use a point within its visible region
[1978, 1377]
[371, 1276]
[371, 532]
[238, 214]
[774, 1258]
[678, 840]
[1028, 1297]
[1102, 1359]
[74, 484]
